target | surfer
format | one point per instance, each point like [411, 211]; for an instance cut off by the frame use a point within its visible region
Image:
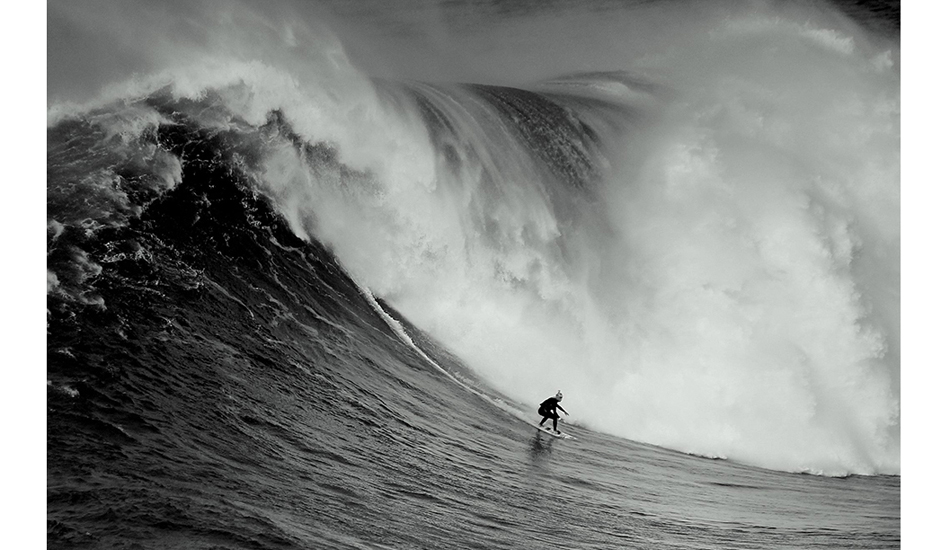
[548, 409]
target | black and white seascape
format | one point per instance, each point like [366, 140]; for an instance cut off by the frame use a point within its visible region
[312, 265]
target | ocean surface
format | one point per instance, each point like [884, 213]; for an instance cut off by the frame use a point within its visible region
[311, 267]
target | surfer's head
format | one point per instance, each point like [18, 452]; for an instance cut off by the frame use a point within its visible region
[559, 395]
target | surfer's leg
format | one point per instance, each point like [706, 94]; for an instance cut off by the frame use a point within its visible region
[555, 423]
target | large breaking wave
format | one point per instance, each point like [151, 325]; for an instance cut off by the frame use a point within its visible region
[699, 246]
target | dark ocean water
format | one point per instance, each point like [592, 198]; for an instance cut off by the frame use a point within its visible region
[218, 378]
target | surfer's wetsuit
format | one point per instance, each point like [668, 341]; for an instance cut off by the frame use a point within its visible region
[548, 409]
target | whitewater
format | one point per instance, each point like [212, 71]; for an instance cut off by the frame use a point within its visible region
[311, 268]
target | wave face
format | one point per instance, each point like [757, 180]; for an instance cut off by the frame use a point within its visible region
[692, 230]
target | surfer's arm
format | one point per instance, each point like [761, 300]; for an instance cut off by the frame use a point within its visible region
[562, 410]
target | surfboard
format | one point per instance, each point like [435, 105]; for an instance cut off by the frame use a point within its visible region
[547, 430]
